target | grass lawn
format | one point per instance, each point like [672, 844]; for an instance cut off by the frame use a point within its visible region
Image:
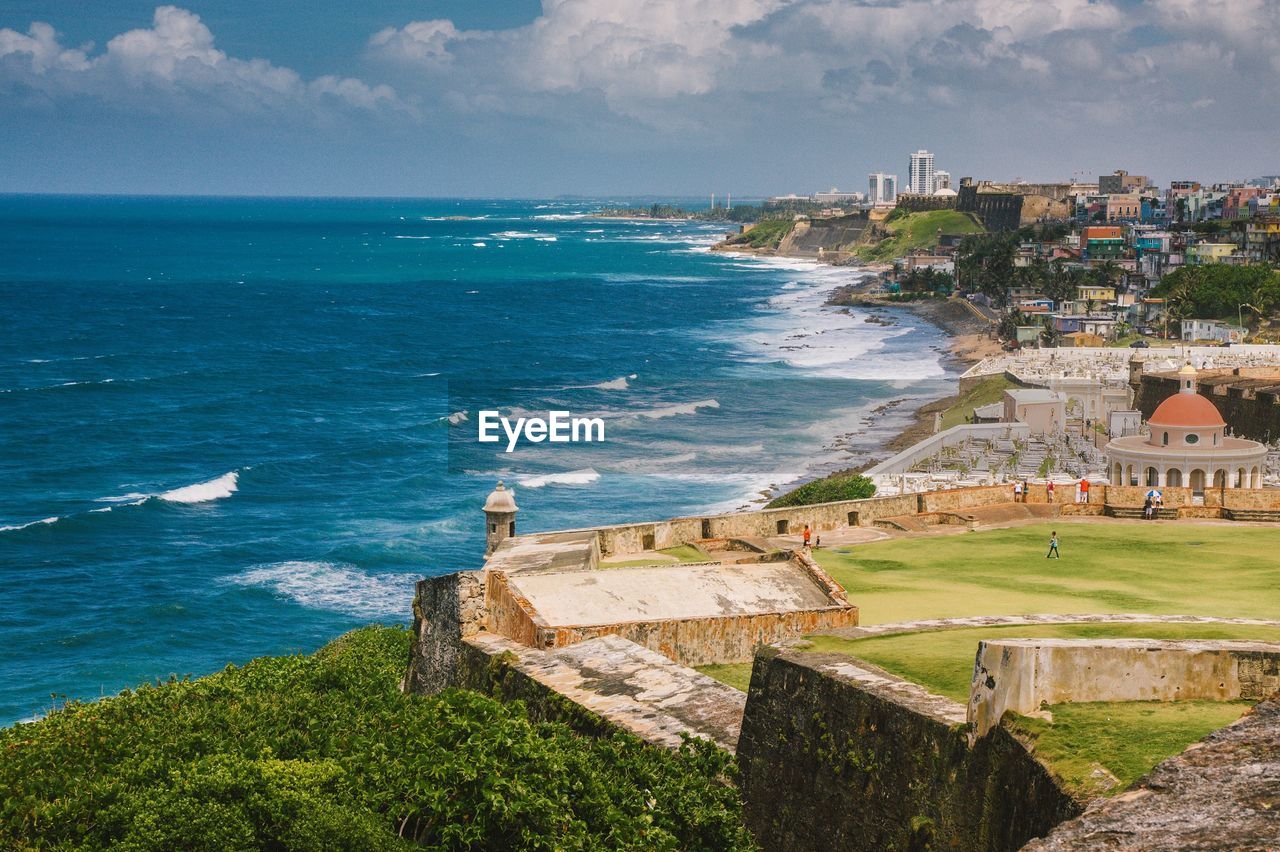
[1165, 568]
[681, 553]
[1087, 742]
[984, 393]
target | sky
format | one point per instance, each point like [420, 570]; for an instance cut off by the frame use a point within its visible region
[520, 98]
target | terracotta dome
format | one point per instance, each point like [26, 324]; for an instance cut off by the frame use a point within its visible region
[1187, 410]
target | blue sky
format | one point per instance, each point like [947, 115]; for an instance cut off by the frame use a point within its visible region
[521, 98]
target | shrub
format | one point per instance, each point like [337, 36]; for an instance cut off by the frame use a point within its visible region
[324, 752]
[840, 486]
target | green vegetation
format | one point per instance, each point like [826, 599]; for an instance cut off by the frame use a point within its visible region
[766, 234]
[737, 675]
[918, 230]
[682, 553]
[1087, 742]
[1155, 568]
[324, 752]
[838, 486]
[1219, 291]
[983, 393]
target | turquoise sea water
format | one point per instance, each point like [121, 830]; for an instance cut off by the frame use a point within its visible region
[233, 427]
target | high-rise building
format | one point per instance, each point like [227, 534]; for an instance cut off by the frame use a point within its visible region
[921, 175]
[882, 188]
[941, 180]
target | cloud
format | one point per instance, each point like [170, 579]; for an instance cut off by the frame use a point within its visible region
[660, 61]
[174, 64]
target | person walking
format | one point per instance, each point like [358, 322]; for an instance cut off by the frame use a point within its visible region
[1048, 489]
[806, 534]
[1053, 547]
[1017, 491]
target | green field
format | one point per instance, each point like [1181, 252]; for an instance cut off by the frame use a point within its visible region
[1165, 568]
[919, 230]
[1170, 569]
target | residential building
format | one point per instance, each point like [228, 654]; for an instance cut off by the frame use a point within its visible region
[1123, 207]
[1095, 293]
[1214, 330]
[883, 188]
[941, 180]
[1262, 239]
[1121, 181]
[1202, 253]
[920, 173]
[1104, 327]
[1236, 204]
[1102, 242]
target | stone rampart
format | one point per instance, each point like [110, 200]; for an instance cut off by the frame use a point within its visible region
[1022, 674]
[838, 755]
[445, 610]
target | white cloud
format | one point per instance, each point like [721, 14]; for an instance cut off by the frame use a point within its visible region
[174, 63]
[670, 61]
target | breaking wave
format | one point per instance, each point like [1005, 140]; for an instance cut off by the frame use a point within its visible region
[573, 477]
[204, 492]
[333, 586]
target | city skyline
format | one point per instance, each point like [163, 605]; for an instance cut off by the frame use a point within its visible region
[669, 98]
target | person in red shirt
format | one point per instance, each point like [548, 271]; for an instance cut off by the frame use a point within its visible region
[806, 534]
[1084, 491]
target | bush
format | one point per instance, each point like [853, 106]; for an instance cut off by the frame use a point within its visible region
[840, 486]
[324, 752]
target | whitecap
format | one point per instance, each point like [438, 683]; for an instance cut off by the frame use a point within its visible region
[409, 237]
[573, 477]
[676, 410]
[456, 417]
[12, 527]
[204, 492]
[479, 245]
[334, 586]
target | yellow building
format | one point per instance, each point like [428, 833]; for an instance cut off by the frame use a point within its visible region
[1202, 253]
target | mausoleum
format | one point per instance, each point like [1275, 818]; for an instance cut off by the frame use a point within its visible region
[1186, 445]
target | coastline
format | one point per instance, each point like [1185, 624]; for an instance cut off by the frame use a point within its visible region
[968, 343]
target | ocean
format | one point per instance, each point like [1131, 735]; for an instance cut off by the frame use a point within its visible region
[232, 427]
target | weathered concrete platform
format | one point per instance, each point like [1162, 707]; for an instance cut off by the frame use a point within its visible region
[636, 689]
[1222, 793]
[668, 592]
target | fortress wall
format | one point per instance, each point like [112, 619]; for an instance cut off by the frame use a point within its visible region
[445, 609]
[966, 498]
[509, 614]
[835, 755]
[763, 523]
[1021, 674]
[721, 639]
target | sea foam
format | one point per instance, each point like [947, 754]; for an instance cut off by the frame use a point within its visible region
[334, 586]
[573, 477]
[204, 492]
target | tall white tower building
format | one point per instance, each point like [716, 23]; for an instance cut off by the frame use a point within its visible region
[921, 177]
[882, 188]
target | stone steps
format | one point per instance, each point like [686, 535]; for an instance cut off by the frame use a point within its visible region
[1135, 512]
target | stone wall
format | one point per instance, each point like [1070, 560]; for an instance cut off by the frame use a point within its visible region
[1022, 674]
[835, 755]
[445, 610]
[763, 523]
[1252, 412]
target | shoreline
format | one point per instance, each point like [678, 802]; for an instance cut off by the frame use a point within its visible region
[967, 344]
